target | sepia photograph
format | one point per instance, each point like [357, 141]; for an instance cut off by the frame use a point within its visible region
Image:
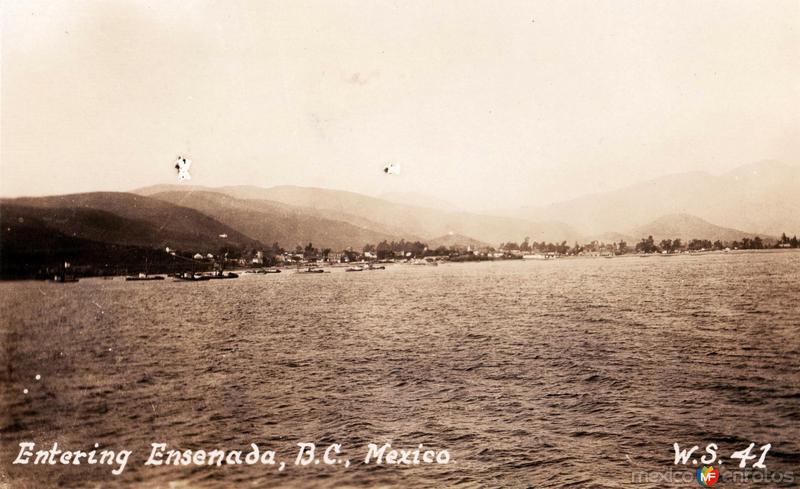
[399, 244]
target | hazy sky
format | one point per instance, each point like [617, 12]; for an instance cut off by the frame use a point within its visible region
[484, 104]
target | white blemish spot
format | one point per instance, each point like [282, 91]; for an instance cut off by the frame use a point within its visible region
[24, 391]
[392, 169]
[183, 165]
[38, 377]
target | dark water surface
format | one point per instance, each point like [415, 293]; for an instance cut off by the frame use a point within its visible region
[566, 373]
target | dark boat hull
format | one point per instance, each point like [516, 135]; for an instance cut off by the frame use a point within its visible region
[192, 278]
[224, 276]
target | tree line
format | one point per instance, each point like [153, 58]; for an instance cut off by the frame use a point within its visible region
[417, 249]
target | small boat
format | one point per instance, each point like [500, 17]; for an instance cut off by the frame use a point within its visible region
[64, 278]
[354, 269]
[262, 271]
[223, 275]
[313, 270]
[373, 267]
[143, 276]
[191, 277]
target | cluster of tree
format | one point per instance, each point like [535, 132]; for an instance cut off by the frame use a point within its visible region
[527, 246]
[749, 244]
[702, 244]
[309, 252]
[788, 242]
[648, 245]
[598, 247]
[416, 249]
[386, 249]
[452, 251]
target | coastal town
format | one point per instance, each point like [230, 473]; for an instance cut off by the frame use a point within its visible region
[206, 265]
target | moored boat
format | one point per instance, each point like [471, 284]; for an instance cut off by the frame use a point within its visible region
[313, 270]
[263, 271]
[191, 277]
[64, 278]
[142, 277]
[223, 275]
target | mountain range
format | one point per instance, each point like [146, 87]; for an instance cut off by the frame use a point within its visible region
[759, 199]
[686, 227]
[408, 221]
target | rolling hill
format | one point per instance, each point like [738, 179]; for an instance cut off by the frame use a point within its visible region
[271, 222]
[127, 219]
[31, 247]
[390, 218]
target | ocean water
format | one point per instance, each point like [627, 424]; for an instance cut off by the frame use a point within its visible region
[564, 373]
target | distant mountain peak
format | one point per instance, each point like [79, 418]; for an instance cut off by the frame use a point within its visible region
[686, 227]
[759, 197]
[452, 239]
[762, 168]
